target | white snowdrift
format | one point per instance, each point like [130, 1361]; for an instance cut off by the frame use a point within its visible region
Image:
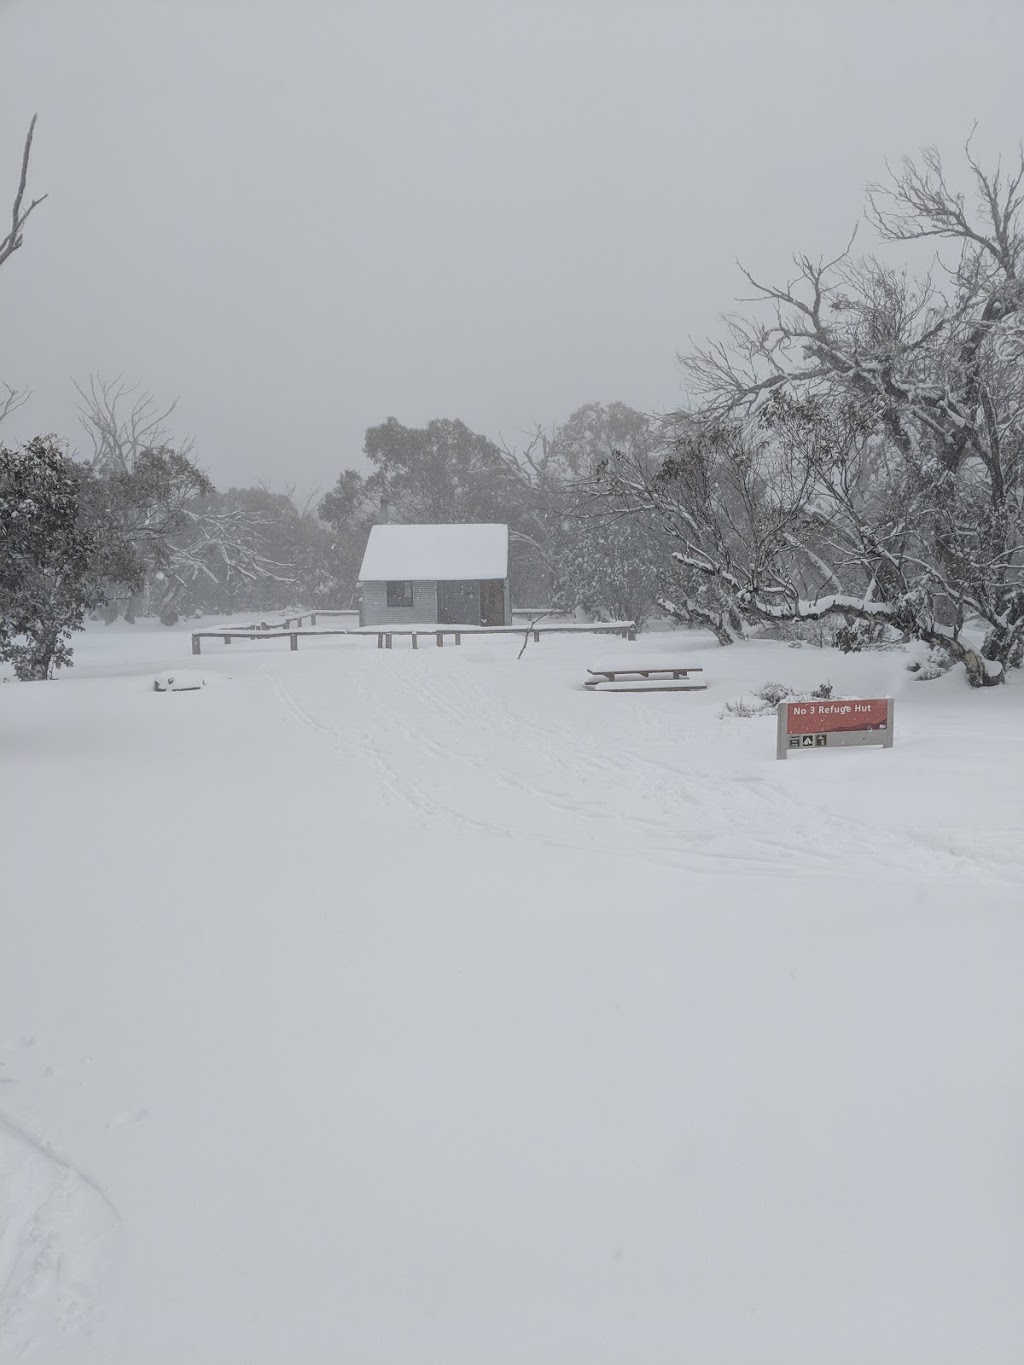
[422, 1007]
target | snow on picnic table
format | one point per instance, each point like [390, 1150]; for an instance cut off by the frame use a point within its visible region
[426, 1007]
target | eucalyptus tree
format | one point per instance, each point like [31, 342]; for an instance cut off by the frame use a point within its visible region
[880, 415]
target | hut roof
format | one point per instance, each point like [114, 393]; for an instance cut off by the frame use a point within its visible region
[432, 553]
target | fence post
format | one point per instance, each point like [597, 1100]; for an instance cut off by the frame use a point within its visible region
[536, 637]
[780, 732]
[195, 644]
[293, 641]
[387, 641]
[458, 638]
[227, 639]
[312, 618]
[415, 641]
[440, 639]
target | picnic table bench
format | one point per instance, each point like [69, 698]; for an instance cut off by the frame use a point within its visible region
[645, 676]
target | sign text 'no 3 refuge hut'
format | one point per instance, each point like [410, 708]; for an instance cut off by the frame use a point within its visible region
[834, 724]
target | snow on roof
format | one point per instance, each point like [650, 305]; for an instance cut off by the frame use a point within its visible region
[430, 553]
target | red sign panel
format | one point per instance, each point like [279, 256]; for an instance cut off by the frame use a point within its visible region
[825, 717]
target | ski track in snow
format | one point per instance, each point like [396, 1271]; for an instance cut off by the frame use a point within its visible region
[704, 820]
[57, 1231]
[441, 746]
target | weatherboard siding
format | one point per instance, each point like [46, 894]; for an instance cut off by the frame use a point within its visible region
[374, 609]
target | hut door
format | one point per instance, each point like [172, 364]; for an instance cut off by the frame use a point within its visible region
[492, 602]
[458, 604]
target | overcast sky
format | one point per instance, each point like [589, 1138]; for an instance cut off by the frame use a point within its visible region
[305, 216]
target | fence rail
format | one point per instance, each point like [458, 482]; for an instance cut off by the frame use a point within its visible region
[347, 611]
[385, 635]
[288, 621]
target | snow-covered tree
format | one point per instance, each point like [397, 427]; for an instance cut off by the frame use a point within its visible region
[609, 559]
[349, 510]
[203, 551]
[149, 482]
[443, 472]
[720, 503]
[610, 567]
[244, 549]
[58, 555]
[893, 407]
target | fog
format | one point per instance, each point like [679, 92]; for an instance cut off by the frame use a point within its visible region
[303, 218]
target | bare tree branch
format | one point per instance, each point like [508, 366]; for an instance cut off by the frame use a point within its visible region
[120, 433]
[12, 400]
[19, 215]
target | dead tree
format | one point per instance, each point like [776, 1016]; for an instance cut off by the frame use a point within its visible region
[123, 422]
[20, 212]
[13, 398]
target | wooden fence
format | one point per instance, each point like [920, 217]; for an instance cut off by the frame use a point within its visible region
[385, 635]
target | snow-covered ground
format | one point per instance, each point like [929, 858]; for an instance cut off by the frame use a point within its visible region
[420, 1007]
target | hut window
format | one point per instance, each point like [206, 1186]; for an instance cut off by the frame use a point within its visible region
[399, 594]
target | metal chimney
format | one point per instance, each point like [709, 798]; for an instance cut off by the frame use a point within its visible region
[385, 511]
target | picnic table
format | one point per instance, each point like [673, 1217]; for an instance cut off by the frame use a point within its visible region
[645, 676]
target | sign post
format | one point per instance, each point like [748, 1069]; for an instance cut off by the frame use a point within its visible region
[834, 724]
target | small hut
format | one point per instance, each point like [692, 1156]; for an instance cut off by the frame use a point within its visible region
[436, 575]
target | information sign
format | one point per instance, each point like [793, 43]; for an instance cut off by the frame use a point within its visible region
[834, 724]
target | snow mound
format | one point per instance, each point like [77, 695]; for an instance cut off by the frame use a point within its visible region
[765, 700]
[179, 680]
